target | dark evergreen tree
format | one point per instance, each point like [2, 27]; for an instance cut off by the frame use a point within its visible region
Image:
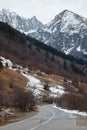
[65, 65]
[1, 66]
[53, 57]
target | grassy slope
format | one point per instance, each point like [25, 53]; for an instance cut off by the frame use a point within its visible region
[10, 79]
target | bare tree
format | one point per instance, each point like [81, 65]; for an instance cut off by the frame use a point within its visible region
[23, 99]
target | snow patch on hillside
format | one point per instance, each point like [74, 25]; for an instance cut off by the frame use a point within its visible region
[34, 85]
[78, 48]
[37, 87]
[56, 91]
[6, 62]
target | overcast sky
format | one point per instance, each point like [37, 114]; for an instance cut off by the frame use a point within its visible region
[44, 10]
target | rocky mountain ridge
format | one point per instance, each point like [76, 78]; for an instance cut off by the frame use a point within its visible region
[67, 32]
[18, 22]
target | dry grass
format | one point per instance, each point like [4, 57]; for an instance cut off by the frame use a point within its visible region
[10, 79]
[59, 80]
[3, 121]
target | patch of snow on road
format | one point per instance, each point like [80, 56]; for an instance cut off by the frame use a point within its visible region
[77, 112]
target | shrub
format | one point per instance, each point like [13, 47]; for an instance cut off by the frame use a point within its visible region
[23, 99]
[46, 86]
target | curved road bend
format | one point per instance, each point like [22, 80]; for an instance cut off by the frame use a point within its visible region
[49, 118]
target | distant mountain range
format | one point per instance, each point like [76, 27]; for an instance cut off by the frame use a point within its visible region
[67, 32]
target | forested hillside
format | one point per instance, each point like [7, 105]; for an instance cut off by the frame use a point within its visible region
[35, 55]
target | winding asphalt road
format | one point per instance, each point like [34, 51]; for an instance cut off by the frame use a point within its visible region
[49, 118]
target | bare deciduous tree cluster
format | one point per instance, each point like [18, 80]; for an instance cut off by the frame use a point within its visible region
[73, 101]
[20, 98]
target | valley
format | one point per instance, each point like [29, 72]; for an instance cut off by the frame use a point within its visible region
[43, 72]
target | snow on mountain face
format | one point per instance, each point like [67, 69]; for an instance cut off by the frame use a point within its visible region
[66, 32]
[20, 23]
[70, 24]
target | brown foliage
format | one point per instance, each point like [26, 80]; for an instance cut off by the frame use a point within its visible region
[73, 101]
[23, 99]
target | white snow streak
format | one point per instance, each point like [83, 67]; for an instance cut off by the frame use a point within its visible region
[77, 112]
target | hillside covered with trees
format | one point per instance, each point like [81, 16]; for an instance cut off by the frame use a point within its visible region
[33, 54]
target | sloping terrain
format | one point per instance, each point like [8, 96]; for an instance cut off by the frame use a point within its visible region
[47, 74]
[18, 22]
[35, 55]
[41, 84]
[67, 32]
[45, 87]
[10, 79]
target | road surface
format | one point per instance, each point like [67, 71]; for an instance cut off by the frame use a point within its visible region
[50, 118]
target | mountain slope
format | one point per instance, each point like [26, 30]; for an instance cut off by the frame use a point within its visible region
[67, 32]
[18, 22]
[33, 54]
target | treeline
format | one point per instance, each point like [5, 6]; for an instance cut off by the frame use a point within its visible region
[56, 52]
[77, 69]
[12, 33]
[73, 101]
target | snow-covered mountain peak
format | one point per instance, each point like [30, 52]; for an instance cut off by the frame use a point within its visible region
[8, 13]
[71, 17]
[65, 32]
[20, 23]
[70, 14]
[34, 18]
[65, 12]
[72, 23]
[36, 22]
[67, 22]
